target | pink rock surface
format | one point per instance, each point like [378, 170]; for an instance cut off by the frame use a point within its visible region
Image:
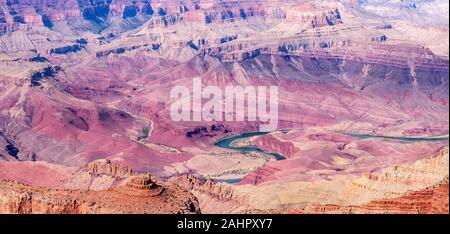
[338, 155]
[87, 80]
[35, 173]
[272, 144]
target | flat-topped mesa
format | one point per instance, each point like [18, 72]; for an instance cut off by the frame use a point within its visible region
[141, 186]
[106, 167]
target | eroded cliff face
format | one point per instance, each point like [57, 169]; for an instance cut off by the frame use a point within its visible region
[419, 187]
[94, 15]
[432, 200]
[100, 187]
[213, 197]
[85, 80]
[103, 166]
[395, 181]
[23, 14]
[139, 195]
[98, 175]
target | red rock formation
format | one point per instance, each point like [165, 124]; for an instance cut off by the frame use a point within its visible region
[24, 14]
[104, 166]
[219, 191]
[213, 197]
[98, 175]
[35, 173]
[433, 200]
[140, 195]
[141, 186]
[272, 144]
[69, 101]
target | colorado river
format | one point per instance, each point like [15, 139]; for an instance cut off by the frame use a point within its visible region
[226, 144]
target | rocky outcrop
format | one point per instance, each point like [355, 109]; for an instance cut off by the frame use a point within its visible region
[120, 50]
[140, 195]
[141, 185]
[220, 191]
[329, 45]
[106, 167]
[395, 181]
[213, 197]
[432, 200]
[99, 175]
[101, 72]
[35, 173]
[421, 186]
[426, 131]
[271, 144]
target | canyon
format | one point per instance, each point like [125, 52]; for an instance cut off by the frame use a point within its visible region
[86, 127]
[138, 196]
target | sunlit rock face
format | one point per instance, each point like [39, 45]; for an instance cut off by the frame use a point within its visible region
[138, 196]
[85, 98]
